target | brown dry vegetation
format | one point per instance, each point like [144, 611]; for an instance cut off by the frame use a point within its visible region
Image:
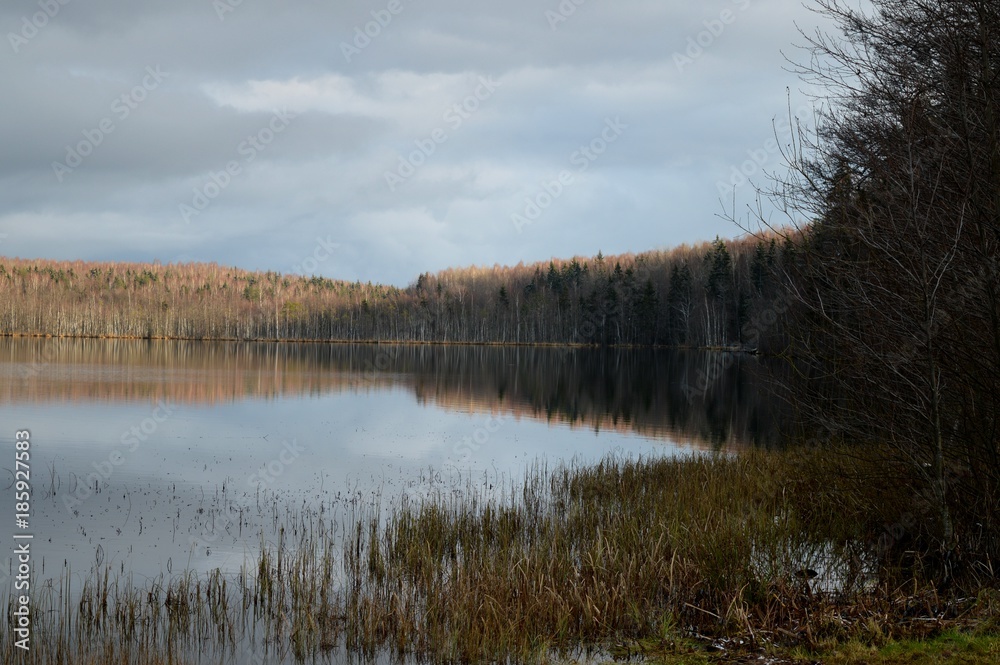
[629, 556]
[699, 296]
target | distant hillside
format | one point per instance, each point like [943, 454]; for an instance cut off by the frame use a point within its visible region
[712, 294]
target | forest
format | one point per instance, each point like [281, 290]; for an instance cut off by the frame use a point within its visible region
[717, 294]
[897, 301]
[885, 301]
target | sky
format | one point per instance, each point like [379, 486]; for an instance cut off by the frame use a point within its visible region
[376, 140]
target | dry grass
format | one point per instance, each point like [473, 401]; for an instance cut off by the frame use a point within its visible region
[624, 553]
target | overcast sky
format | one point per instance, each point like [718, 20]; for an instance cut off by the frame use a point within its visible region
[379, 139]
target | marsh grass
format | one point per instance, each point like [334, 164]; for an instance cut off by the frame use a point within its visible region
[765, 550]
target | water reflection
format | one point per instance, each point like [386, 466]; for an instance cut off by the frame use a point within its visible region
[153, 457]
[698, 398]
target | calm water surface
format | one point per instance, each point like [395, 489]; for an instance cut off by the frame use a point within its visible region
[155, 457]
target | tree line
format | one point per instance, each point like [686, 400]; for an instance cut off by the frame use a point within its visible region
[886, 299]
[714, 294]
[897, 298]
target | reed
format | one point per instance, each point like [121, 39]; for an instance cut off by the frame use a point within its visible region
[770, 550]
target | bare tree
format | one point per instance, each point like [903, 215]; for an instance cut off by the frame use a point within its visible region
[897, 281]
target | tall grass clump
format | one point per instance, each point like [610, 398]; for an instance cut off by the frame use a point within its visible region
[771, 548]
[590, 555]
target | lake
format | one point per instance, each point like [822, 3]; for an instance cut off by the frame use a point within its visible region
[149, 458]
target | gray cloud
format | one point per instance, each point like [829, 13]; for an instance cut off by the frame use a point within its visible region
[362, 111]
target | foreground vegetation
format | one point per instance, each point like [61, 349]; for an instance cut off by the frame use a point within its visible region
[887, 301]
[899, 300]
[761, 553]
[949, 648]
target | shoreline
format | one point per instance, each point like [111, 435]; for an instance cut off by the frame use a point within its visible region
[387, 342]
